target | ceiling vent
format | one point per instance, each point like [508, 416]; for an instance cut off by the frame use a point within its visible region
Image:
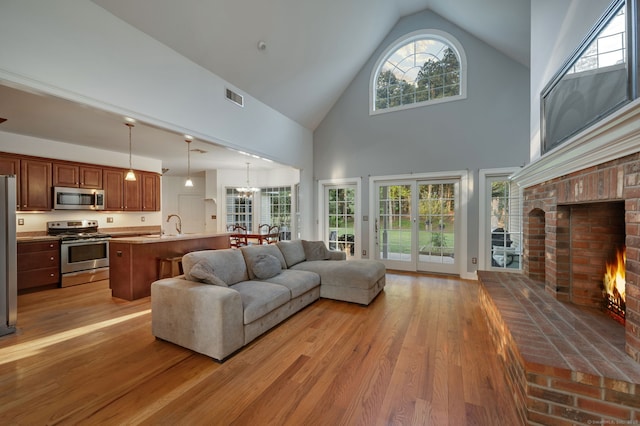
[234, 97]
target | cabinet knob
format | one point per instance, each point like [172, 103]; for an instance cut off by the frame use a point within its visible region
[52, 258]
[50, 245]
[51, 274]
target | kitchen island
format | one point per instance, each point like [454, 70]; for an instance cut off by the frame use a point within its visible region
[134, 261]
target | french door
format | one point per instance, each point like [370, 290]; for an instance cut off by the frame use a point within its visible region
[416, 225]
[340, 218]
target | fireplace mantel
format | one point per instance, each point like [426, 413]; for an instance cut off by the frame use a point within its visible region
[613, 137]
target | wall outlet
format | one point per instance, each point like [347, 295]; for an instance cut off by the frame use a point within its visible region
[364, 252]
[142, 219]
[20, 221]
[109, 219]
[474, 260]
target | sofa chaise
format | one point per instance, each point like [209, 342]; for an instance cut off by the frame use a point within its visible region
[227, 298]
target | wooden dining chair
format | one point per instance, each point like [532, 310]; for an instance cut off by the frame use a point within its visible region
[238, 237]
[273, 234]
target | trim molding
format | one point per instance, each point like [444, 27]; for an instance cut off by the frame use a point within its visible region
[613, 137]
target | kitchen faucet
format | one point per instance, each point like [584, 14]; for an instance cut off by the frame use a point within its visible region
[178, 224]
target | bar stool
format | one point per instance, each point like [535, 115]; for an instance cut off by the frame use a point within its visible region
[169, 267]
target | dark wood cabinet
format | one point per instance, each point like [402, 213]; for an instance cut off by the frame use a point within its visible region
[77, 176]
[38, 264]
[113, 180]
[35, 184]
[10, 165]
[150, 192]
[133, 194]
[37, 176]
[90, 177]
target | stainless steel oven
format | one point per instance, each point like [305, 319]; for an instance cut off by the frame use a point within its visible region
[84, 252]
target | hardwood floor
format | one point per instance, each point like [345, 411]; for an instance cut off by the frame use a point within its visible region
[420, 354]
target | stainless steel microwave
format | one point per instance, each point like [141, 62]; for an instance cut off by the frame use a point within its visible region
[77, 199]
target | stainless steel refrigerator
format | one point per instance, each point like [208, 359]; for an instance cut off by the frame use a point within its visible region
[8, 256]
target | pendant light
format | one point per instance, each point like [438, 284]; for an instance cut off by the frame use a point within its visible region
[189, 182]
[130, 175]
[246, 191]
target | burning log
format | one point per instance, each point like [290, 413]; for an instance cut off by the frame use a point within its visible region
[613, 286]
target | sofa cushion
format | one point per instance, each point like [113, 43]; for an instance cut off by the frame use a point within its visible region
[359, 273]
[298, 282]
[228, 264]
[203, 272]
[260, 297]
[266, 266]
[252, 253]
[292, 251]
[315, 250]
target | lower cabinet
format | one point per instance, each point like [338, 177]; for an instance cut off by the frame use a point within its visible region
[38, 264]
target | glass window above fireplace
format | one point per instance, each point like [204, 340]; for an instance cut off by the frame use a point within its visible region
[598, 78]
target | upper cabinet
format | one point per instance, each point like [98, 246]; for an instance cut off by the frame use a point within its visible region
[37, 176]
[77, 176]
[150, 192]
[35, 184]
[10, 165]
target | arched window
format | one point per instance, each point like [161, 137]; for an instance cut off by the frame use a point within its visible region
[424, 67]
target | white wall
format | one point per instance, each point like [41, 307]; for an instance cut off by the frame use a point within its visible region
[557, 29]
[488, 129]
[78, 51]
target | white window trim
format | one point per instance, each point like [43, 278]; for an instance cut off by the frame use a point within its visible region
[358, 212]
[407, 38]
[464, 178]
[483, 236]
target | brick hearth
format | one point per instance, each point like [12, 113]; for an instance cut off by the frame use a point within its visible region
[565, 364]
[548, 234]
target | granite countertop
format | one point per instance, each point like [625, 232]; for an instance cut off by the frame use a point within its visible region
[161, 238]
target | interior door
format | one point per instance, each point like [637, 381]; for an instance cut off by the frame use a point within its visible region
[191, 210]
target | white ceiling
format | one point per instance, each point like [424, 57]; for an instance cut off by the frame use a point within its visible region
[314, 48]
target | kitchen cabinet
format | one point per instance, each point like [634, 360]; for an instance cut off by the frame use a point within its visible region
[134, 261]
[133, 194]
[10, 165]
[77, 176]
[38, 264]
[35, 184]
[150, 191]
[113, 180]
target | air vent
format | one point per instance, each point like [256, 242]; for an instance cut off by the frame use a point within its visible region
[234, 97]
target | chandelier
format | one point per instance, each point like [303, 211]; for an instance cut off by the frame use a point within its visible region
[246, 191]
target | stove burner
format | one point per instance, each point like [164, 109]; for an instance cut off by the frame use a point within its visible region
[73, 230]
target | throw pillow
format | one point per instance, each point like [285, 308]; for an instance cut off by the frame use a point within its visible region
[266, 266]
[315, 250]
[203, 272]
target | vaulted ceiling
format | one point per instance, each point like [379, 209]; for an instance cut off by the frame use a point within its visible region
[312, 51]
[312, 48]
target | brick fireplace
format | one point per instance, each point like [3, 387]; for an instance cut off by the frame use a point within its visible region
[574, 223]
[566, 362]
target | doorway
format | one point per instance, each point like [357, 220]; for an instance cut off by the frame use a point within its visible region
[417, 224]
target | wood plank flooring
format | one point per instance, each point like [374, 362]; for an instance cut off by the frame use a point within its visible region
[420, 354]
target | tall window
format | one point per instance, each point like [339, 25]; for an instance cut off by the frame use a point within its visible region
[275, 207]
[504, 223]
[239, 209]
[421, 68]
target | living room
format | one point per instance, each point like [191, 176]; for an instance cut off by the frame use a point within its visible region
[83, 53]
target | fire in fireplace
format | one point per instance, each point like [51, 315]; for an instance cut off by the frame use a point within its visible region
[613, 286]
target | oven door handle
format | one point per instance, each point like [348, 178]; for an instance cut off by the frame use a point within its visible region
[84, 241]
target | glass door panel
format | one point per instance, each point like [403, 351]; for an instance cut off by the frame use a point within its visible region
[395, 226]
[437, 230]
[340, 217]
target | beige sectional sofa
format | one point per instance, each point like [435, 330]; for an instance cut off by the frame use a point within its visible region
[227, 298]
